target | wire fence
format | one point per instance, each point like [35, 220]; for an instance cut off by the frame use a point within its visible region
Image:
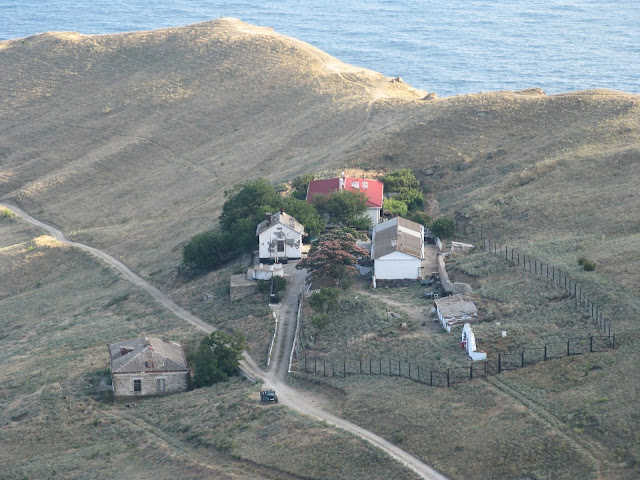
[528, 263]
[438, 376]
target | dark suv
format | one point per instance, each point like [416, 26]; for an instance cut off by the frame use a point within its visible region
[268, 396]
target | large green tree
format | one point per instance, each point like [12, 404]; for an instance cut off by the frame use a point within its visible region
[345, 208]
[443, 227]
[249, 199]
[397, 179]
[216, 358]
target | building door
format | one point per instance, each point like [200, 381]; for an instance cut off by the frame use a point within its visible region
[160, 382]
[280, 246]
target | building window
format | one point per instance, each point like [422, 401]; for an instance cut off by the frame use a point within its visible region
[281, 245]
[137, 385]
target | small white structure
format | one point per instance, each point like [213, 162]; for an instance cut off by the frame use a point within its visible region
[397, 249]
[459, 247]
[455, 310]
[266, 272]
[468, 341]
[147, 366]
[280, 238]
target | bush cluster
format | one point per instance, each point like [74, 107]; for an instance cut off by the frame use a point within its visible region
[586, 264]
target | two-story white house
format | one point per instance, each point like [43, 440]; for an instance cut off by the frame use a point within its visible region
[280, 238]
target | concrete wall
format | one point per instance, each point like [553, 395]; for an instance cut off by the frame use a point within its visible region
[469, 341]
[173, 382]
[449, 286]
[374, 214]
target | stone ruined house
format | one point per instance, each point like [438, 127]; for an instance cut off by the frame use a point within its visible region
[373, 189]
[147, 366]
[280, 238]
[397, 250]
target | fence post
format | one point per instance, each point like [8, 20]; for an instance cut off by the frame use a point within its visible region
[565, 284]
[431, 381]
[470, 372]
[344, 368]
[522, 358]
[370, 366]
[609, 329]
[360, 366]
[419, 373]
[305, 364]
[499, 362]
[409, 370]
[545, 352]
[553, 275]
[529, 264]
[333, 370]
[380, 366]
[535, 266]
[495, 248]
[568, 351]
[591, 344]
[613, 340]
[480, 231]
[485, 368]
[473, 231]
[399, 368]
[518, 259]
[315, 362]
[389, 367]
[547, 270]
[324, 367]
[506, 252]
[448, 381]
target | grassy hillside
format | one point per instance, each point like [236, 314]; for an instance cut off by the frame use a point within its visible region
[127, 142]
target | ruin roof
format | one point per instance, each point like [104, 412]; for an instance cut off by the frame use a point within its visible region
[457, 308]
[147, 354]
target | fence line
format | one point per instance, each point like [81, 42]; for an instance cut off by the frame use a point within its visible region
[559, 278]
[295, 348]
[437, 376]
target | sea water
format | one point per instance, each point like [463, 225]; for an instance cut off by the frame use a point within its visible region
[451, 47]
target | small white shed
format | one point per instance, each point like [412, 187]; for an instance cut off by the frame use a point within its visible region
[280, 238]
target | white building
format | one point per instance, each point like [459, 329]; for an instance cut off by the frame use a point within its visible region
[397, 249]
[147, 366]
[280, 238]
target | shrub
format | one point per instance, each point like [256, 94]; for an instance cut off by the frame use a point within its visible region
[279, 284]
[324, 300]
[443, 227]
[586, 264]
[320, 321]
[7, 214]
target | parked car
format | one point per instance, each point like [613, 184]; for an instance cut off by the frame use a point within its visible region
[268, 395]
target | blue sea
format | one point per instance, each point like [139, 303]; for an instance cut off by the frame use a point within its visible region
[450, 47]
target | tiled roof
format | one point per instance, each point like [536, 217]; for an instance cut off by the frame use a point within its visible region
[371, 188]
[397, 235]
[283, 218]
[145, 355]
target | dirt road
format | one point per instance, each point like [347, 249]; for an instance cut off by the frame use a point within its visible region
[292, 398]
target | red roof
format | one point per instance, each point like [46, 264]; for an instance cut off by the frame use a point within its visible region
[371, 188]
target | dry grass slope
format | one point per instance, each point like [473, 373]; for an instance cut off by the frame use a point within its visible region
[128, 142]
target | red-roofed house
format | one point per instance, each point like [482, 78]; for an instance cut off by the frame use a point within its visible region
[371, 188]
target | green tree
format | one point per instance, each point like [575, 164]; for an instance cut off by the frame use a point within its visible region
[249, 199]
[333, 255]
[411, 197]
[324, 300]
[395, 207]
[397, 179]
[306, 214]
[216, 358]
[300, 185]
[206, 250]
[443, 227]
[345, 208]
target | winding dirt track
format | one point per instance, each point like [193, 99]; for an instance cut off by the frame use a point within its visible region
[289, 396]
